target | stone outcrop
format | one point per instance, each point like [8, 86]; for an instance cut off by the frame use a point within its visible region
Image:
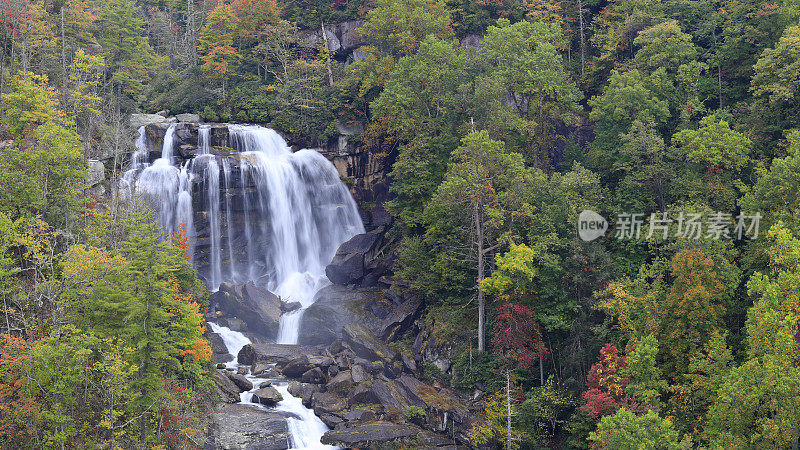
[267, 396]
[257, 307]
[246, 427]
[334, 307]
[227, 391]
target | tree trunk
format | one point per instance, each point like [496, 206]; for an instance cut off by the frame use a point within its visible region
[327, 53]
[508, 408]
[481, 301]
[541, 370]
[583, 37]
[191, 32]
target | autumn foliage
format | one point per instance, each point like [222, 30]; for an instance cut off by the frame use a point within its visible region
[606, 385]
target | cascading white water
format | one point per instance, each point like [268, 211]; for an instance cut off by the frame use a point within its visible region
[305, 428]
[166, 186]
[293, 212]
[302, 210]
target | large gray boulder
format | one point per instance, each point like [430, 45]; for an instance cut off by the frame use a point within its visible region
[267, 396]
[227, 392]
[349, 264]
[366, 345]
[370, 435]
[333, 308]
[279, 354]
[96, 172]
[238, 427]
[259, 308]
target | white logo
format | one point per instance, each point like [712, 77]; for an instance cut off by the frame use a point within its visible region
[591, 225]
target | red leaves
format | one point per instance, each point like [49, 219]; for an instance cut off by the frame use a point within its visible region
[606, 394]
[516, 334]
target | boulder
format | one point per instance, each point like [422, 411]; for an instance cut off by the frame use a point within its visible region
[327, 402]
[290, 306]
[188, 118]
[359, 415]
[297, 367]
[358, 374]
[96, 172]
[366, 345]
[267, 396]
[240, 381]
[331, 420]
[375, 393]
[279, 354]
[140, 120]
[341, 384]
[218, 348]
[259, 308]
[259, 368]
[370, 435]
[348, 264]
[346, 269]
[227, 392]
[400, 319]
[245, 427]
[314, 375]
[295, 388]
[334, 307]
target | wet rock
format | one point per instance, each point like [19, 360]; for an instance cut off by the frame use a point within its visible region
[314, 375]
[258, 368]
[297, 367]
[295, 388]
[240, 381]
[259, 308]
[290, 306]
[242, 371]
[267, 396]
[273, 353]
[218, 348]
[246, 427]
[227, 392]
[367, 435]
[366, 345]
[267, 383]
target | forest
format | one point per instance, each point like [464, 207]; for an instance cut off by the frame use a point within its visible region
[597, 203]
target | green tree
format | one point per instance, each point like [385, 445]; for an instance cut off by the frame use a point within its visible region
[472, 205]
[525, 74]
[627, 430]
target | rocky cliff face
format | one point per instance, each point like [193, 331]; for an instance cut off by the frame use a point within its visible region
[363, 173]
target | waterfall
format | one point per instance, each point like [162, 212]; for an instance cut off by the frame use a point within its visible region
[258, 212]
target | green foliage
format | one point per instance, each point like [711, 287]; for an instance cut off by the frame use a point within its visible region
[416, 415]
[627, 430]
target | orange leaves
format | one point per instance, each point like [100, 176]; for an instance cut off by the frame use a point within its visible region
[180, 240]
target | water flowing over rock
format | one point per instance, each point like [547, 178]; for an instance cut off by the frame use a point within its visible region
[253, 210]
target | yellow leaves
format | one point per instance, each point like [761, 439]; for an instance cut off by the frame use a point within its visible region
[85, 263]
